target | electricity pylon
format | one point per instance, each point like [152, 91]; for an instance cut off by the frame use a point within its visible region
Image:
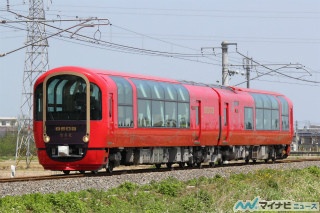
[36, 62]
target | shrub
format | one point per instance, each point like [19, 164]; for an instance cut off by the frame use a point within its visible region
[8, 145]
[314, 170]
[170, 186]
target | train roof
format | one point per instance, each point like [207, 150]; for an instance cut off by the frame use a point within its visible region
[93, 71]
[113, 73]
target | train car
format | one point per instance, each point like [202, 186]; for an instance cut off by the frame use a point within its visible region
[87, 119]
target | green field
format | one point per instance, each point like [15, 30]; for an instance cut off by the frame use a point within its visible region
[216, 194]
[8, 145]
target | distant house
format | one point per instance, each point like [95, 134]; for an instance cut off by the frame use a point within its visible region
[8, 124]
[308, 138]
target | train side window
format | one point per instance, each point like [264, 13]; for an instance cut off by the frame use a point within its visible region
[284, 114]
[275, 119]
[95, 102]
[171, 114]
[267, 112]
[157, 90]
[162, 104]
[125, 118]
[248, 118]
[125, 102]
[274, 113]
[267, 119]
[158, 114]
[259, 119]
[183, 94]
[144, 113]
[38, 109]
[170, 92]
[183, 115]
[143, 88]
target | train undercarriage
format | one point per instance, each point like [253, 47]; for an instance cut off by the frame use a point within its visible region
[193, 156]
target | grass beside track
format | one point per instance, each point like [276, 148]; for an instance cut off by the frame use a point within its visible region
[216, 194]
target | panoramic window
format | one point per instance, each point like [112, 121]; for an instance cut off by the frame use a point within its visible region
[125, 102]
[267, 112]
[162, 104]
[144, 113]
[248, 118]
[284, 113]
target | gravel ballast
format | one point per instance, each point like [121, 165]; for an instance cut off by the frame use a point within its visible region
[108, 182]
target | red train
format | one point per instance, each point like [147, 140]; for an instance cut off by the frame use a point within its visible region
[87, 119]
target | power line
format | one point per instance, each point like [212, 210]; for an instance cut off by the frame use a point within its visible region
[293, 83]
[276, 70]
[112, 46]
[40, 39]
[203, 13]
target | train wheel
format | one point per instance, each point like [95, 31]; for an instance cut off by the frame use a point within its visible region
[169, 165]
[273, 160]
[94, 172]
[158, 165]
[109, 167]
[211, 164]
[182, 164]
[66, 172]
[246, 160]
[82, 171]
[266, 160]
[198, 165]
[254, 160]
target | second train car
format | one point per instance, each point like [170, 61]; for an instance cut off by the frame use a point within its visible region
[87, 119]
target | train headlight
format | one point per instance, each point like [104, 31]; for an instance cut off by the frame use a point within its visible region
[46, 138]
[85, 138]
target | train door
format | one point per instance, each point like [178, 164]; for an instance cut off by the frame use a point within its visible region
[197, 127]
[110, 116]
[225, 124]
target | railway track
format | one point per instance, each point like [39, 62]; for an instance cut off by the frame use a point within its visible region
[143, 170]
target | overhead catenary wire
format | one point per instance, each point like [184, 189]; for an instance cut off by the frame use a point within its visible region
[274, 71]
[15, 50]
[120, 47]
[112, 46]
[134, 50]
[178, 12]
[292, 83]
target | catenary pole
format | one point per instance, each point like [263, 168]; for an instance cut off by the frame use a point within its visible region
[225, 63]
[36, 62]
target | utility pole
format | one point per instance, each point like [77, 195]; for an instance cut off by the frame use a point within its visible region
[225, 65]
[225, 68]
[247, 66]
[36, 62]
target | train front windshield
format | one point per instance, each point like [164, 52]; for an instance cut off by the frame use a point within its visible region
[67, 99]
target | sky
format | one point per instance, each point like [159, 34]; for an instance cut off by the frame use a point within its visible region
[176, 39]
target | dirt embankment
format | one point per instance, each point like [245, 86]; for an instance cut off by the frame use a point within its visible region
[21, 170]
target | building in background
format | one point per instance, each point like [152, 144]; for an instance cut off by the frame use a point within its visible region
[8, 124]
[307, 139]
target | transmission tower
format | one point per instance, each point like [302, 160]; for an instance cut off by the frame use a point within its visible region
[36, 62]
